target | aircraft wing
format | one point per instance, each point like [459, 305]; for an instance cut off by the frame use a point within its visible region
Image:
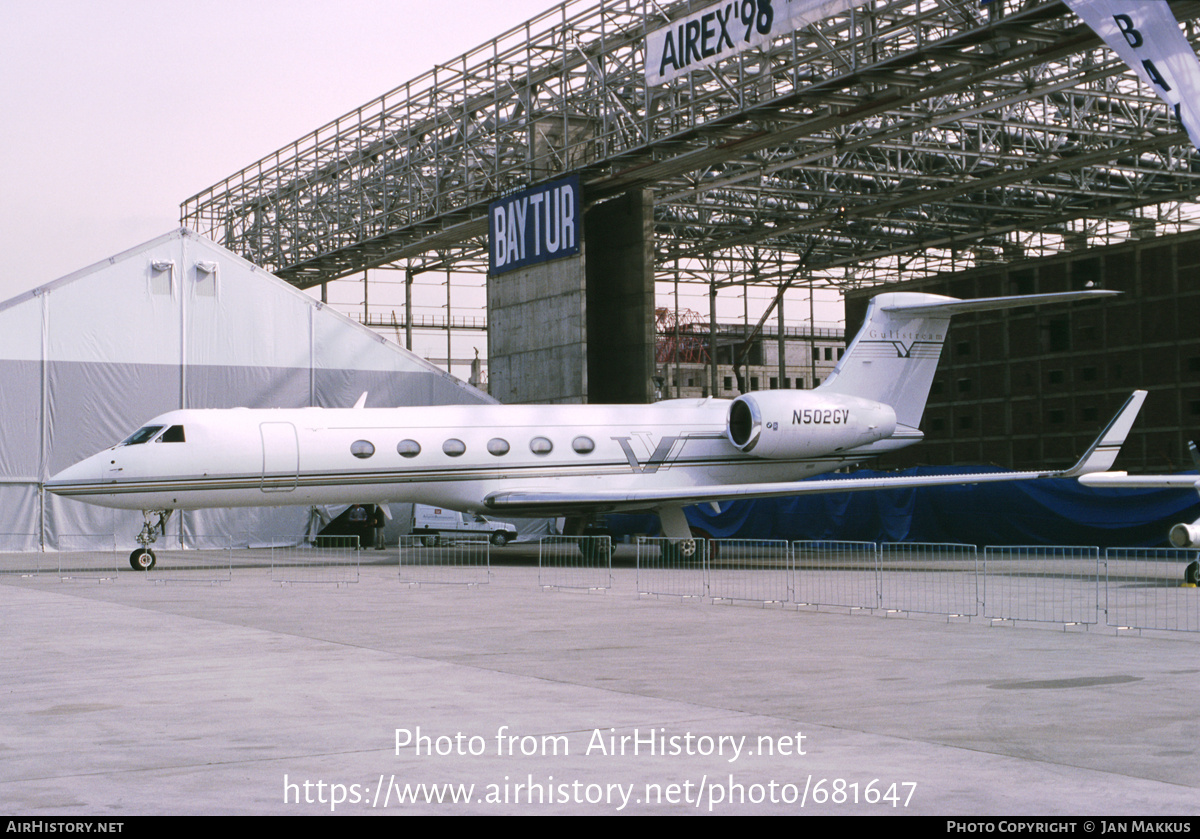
[1099, 457]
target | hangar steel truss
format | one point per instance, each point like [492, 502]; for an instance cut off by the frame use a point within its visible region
[901, 138]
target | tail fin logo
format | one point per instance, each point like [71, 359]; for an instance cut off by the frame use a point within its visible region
[915, 350]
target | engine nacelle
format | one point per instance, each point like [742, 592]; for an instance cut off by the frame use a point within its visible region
[785, 423]
[1186, 535]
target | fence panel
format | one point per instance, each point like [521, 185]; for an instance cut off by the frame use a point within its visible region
[939, 579]
[78, 557]
[209, 560]
[1144, 589]
[581, 562]
[20, 553]
[448, 562]
[844, 574]
[672, 567]
[333, 559]
[749, 569]
[1042, 583]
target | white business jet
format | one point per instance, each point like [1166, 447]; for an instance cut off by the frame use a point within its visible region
[1181, 535]
[577, 461]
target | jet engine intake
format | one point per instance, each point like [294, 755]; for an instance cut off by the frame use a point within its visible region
[779, 424]
[1186, 535]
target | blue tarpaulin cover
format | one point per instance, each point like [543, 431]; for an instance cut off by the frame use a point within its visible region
[1050, 511]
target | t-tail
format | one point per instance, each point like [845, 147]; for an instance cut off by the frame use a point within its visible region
[894, 356]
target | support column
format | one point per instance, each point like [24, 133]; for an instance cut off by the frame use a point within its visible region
[619, 247]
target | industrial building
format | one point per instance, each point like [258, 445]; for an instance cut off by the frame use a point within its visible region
[1033, 386]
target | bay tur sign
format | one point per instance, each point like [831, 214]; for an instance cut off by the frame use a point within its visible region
[535, 225]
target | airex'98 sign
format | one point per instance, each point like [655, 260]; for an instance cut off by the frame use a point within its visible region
[536, 225]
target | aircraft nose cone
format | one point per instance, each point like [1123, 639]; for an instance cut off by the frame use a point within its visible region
[85, 471]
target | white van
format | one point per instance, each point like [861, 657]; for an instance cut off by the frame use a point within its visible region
[431, 523]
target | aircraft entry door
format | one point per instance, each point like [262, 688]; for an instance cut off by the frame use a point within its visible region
[281, 456]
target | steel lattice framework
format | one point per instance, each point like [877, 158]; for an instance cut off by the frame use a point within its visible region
[902, 138]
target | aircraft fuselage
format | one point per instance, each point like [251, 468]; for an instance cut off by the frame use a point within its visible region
[457, 455]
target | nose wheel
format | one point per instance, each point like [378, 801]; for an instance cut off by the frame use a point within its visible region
[155, 522]
[141, 559]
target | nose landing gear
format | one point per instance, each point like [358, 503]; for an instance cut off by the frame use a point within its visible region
[142, 558]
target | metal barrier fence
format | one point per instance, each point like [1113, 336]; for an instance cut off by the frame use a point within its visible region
[1125, 588]
[1043, 584]
[20, 555]
[79, 559]
[841, 574]
[936, 579]
[1143, 589]
[749, 569]
[209, 560]
[575, 562]
[332, 559]
[672, 567]
[449, 562]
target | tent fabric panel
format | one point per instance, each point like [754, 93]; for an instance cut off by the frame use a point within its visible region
[93, 406]
[384, 389]
[20, 517]
[211, 386]
[127, 314]
[341, 344]
[236, 317]
[21, 410]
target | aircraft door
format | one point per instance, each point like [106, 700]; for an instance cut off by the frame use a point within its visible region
[281, 456]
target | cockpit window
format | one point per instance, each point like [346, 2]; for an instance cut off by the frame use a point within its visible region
[174, 434]
[142, 435]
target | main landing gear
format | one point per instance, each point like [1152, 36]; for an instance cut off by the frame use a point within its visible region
[142, 558]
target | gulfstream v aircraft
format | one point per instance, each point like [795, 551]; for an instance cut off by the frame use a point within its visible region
[576, 461]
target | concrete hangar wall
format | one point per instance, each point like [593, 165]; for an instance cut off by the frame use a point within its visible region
[176, 322]
[571, 297]
[1033, 386]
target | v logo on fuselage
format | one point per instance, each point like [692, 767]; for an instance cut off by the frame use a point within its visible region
[657, 459]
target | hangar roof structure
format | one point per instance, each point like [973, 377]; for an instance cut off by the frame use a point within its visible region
[894, 140]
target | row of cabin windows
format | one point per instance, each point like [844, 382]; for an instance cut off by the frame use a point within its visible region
[453, 447]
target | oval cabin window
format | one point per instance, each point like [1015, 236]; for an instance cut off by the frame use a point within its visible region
[362, 449]
[583, 445]
[454, 448]
[497, 446]
[408, 448]
[540, 445]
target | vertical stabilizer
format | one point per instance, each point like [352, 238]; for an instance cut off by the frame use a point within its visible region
[894, 356]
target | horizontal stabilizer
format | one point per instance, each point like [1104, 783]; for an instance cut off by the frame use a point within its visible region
[952, 306]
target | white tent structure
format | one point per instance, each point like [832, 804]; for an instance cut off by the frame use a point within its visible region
[178, 322]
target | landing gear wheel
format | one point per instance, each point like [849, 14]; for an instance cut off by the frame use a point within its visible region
[500, 539]
[1191, 574]
[683, 550]
[141, 559]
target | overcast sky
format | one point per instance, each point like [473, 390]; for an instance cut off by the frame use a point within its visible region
[113, 113]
